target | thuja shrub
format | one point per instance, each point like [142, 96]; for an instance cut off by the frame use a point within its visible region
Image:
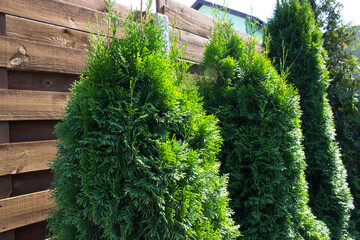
[260, 123]
[136, 153]
[293, 28]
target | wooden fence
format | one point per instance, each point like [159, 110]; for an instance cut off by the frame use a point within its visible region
[41, 53]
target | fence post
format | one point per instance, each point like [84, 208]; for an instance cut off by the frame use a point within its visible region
[5, 181]
[164, 24]
[160, 6]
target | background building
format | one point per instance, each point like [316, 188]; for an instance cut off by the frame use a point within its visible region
[241, 21]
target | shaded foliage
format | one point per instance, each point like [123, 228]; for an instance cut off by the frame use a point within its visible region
[293, 25]
[340, 40]
[260, 122]
[136, 153]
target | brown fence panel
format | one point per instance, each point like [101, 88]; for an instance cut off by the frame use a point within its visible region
[29, 55]
[42, 52]
[23, 210]
[54, 12]
[25, 157]
[31, 105]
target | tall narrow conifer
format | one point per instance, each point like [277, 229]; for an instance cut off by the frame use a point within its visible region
[136, 153]
[260, 122]
[293, 31]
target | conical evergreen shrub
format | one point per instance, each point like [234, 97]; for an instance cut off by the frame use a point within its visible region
[260, 122]
[136, 153]
[293, 28]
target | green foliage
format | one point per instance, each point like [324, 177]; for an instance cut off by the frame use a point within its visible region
[293, 24]
[344, 71]
[136, 153]
[260, 122]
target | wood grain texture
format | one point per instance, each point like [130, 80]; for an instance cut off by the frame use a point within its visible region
[51, 11]
[192, 21]
[28, 55]
[194, 53]
[40, 81]
[29, 131]
[71, 14]
[189, 38]
[31, 105]
[160, 6]
[196, 23]
[26, 156]
[46, 33]
[193, 39]
[97, 5]
[187, 18]
[23, 210]
[194, 45]
[5, 181]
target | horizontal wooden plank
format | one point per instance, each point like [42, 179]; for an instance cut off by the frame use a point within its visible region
[23, 210]
[45, 33]
[193, 39]
[52, 11]
[98, 5]
[189, 37]
[26, 156]
[31, 105]
[192, 21]
[194, 44]
[71, 14]
[195, 22]
[193, 52]
[28, 55]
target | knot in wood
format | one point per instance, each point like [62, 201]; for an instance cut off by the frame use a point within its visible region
[22, 50]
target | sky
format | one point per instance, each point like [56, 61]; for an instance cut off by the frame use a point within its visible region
[263, 9]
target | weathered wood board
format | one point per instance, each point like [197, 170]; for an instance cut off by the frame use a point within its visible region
[23, 210]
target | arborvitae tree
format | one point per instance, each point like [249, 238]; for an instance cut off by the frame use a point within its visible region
[294, 34]
[344, 71]
[136, 153]
[259, 117]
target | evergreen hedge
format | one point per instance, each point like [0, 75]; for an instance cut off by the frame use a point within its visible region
[340, 39]
[294, 26]
[260, 122]
[136, 153]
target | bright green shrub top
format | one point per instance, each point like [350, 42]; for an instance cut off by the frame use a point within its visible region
[294, 26]
[260, 122]
[136, 153]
